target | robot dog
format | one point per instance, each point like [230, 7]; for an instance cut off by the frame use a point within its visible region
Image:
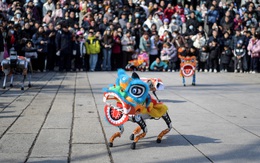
[129, 100]
[16, 64]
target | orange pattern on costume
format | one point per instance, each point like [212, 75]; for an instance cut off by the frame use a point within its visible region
[188, 66]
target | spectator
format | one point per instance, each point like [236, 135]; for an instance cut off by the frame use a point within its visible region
[145, 46]
[169, 11]
[72, 19]
[51, 57]
[79, 51]
[192, 20]
[48, 18]
[116, 57]
[64, 44]
[239, 53]
[123, 20]
[30, 52]
[225, 57]
[203, 59]
[157, 21]
[156, 47]
[169, 55]
[103, 26]
[93, 49]
[74, 7]
[58, 15]
[254, 51]
[190, 32]
[149, 21]
[49, 5]
[214, 52]
[236, 38]
[165, 27]
[41, 40]
[127, 47]
[226, 25]
[237, 21]
[213, 16]
[158, 65]
[107, 44]
[199, 40]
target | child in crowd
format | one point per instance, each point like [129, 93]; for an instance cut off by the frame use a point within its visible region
[79, 51]
[239, 53]
[214, 52]
[203, 59]
[225, 58]
[169, 55]
[31, 52]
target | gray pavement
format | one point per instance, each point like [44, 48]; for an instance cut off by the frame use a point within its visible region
[61, 119]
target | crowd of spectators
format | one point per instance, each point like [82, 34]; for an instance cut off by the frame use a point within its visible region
[103, 35]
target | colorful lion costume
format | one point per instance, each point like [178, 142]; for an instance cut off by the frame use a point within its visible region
[187, 66]
[141, 63]
[132, 102]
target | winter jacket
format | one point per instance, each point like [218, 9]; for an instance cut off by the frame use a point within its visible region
[170, 52]
[254, 48]
[64, 42]
[198, 42]
[80, 48]
[226, 56]
[203, 56]
[37, 38]
[107, 40]
[214, 52]
[160, 64]
[239, 51]
[213, 15]
[126, 46]
[92, 45]
[235, 39]
[116, 48]
[143, 45]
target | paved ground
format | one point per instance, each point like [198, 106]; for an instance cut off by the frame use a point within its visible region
[61, 119]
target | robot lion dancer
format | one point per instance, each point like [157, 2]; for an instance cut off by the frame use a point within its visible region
[129, 100]
[16, 63]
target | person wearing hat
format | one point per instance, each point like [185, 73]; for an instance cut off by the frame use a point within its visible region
[164, 27]
[122, 21]
[107, 43]
[235, 38]
[239, 53]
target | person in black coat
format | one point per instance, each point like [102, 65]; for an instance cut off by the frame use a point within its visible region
[51, 57]
[214, 52]
[225, 58]
[192, 21]
[64, 44]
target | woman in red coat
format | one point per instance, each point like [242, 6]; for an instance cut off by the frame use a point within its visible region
[116, 58]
